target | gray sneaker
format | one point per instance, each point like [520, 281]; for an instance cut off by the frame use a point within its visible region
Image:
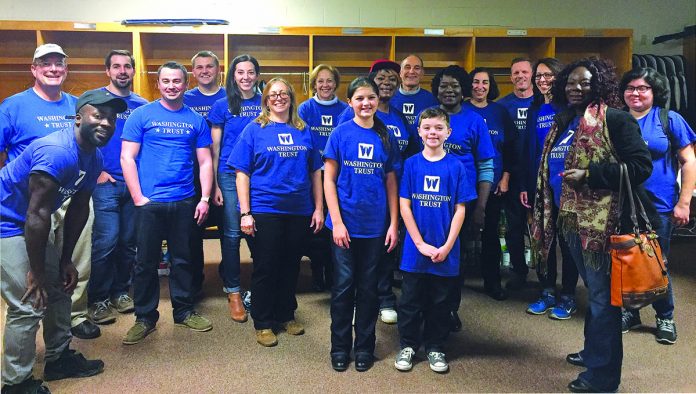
[123, 303]
[404, 360]
[196, 322]
[438, 362]
[101, 313]
[666, 331]
[138, 332]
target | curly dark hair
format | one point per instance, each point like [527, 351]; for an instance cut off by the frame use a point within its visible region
[604, 86]
[493, 91]
[657, 81]
[554, 65]
[455, 72]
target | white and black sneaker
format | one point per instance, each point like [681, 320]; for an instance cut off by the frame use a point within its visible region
[404, 359]
[666, 332]
[438, 362]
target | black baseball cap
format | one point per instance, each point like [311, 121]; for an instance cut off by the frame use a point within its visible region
[101, 97]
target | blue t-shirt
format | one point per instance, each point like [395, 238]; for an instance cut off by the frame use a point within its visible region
[112, 150]
[662, 183]
[232, 125]
[434, 188]
[363, 164]
[321, 118]
[411, 104]
[394, 121]
[544, 122]
[469, 142]
[495, 117]
[517, 108]
[168, 142]
[25, 117]
[557, 157]
[202, 103]
[56, 155]
[279, 160]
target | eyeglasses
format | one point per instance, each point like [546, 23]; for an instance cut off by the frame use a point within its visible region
[275, 96]
[546, 76]
[639, 89]
[57, 65]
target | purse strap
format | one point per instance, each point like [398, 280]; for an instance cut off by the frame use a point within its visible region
[625, 181]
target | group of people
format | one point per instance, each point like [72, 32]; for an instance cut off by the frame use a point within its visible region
[393, 179]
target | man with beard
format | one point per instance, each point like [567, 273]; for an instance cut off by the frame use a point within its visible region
[113, 232]
[37, 277]
[517, 103]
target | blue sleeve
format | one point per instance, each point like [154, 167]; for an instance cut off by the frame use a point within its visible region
[681, 130]
[394, 159]
[132, 130]
[54, 161]
[303, 110]
[315, 157]
[346, 115]
[331, 151]
[462, 195]
[204, 139]
[484, 171]
[484, 146]
[216, 116]
[405, 187]
[5, 128]
[242, 156]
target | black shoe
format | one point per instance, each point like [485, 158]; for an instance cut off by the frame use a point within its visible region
[363, 361]
[72, 364]
[86, 330]
[339, 362]
[29, 386]
[455, 323]
[579, 386]
[497, 293]
[517, 282]
[575, 359]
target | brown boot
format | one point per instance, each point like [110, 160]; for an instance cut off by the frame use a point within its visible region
[266, 337]
[237, 311]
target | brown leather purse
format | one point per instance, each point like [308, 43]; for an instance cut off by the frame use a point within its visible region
[638, 273]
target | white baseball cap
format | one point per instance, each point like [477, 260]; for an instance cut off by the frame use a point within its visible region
[46, 49]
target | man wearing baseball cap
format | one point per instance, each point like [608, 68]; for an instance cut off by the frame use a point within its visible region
[34, 113]
[37, 279]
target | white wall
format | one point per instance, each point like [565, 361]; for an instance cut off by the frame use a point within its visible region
[648, 18]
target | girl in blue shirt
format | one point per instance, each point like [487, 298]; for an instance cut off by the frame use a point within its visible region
[321, 115]
[360, 161]
[279, 189]
[671, 146]
[228, 117]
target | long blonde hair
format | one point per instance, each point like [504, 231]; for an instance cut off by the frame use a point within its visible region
[265, 117]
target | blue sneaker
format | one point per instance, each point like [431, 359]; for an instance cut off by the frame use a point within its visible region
[564, 309]
[545, 303]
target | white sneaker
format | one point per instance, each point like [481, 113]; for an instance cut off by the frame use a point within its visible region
[404, 359]
[438, 362]
[388, 315]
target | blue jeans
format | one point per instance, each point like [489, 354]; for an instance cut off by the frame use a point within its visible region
[603, 348]
[158, 221]
[231, 233]
[355, 285]
[664, 308]
[113, 242]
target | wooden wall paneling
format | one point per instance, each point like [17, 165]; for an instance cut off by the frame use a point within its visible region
[17, 47]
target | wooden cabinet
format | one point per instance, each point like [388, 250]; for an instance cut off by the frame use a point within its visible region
[292, 52]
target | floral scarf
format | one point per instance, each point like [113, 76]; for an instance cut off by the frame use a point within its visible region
[591, 213]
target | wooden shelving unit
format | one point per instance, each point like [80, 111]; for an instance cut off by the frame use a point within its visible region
[293, 51]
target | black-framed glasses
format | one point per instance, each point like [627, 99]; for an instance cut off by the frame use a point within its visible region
[546, 76]
[639, 89]
[276, 96]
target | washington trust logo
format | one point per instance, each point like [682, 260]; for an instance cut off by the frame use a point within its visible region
[409, 108]
[431, 184]
[285, 139]
[365, 151]
[327, 120]
[521, 113]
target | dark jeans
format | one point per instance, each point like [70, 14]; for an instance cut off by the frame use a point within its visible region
[355, 285]
[157, 221]
[454, 299]
[569, 276]
[490, 243]
[664, 308]
[424, 304]
[279, 242]
[385, 272]
[113, 242]
[516, 216]
[319, 252]
[603, 348]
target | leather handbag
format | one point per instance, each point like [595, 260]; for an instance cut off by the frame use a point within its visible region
[638, 272]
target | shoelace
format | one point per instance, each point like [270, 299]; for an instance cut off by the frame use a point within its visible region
[407, 353]
[123, 298]
[101, 307]
[666, 325]
[437, 357]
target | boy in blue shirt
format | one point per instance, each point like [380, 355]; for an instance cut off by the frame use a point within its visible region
[433, 193]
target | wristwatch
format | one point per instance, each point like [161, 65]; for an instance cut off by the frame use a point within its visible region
[205, 199]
